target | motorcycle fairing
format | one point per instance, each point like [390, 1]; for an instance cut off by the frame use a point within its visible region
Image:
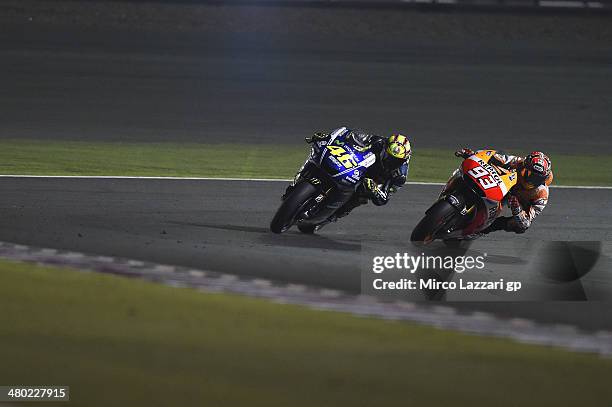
[494, 184]
[345, 162]
[485, 176]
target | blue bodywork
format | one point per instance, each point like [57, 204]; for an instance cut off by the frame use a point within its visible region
[343, 160]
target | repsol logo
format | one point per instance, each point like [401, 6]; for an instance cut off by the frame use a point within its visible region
[491, 169]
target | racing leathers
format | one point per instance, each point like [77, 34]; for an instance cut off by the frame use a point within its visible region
[525, 204]
[381, 180]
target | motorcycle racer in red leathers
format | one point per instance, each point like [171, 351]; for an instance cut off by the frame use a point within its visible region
[528, 198]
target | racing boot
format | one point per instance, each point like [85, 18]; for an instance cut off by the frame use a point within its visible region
[343, 211]
[355, 201]
[310, 229]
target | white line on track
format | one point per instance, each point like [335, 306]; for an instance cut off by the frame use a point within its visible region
[242, 179]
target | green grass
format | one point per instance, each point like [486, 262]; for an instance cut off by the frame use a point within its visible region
[35, 157]
[119, 341]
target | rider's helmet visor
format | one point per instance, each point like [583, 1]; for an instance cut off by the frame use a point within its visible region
[531, 179]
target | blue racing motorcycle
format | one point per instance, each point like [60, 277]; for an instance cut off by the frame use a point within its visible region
[332, 174]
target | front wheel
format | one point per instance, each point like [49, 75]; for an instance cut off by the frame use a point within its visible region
[293, 204]
[435, 219]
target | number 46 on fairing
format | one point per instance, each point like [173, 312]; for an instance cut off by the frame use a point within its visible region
[342, 156]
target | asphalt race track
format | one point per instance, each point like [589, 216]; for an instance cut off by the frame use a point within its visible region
[108, 85]
[223, 226]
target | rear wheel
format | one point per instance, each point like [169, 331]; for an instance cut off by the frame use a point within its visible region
[434, 221]
[293, 204]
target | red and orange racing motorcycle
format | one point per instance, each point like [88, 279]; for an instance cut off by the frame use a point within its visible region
[471, 200]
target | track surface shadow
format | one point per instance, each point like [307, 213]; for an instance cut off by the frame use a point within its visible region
[287, 239]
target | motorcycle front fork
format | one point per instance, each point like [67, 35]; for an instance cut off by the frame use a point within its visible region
[450, 183]
[300, 174]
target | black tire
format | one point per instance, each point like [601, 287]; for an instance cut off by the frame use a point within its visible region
[435, 219]
[291, 206]
[307, 229]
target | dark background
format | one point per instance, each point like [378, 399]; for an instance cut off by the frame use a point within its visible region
[215, 73]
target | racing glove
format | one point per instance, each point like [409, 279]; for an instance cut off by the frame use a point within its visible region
[515, 206]
[316, 137]
[374, 189]
[369, 184]
[464, 152]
